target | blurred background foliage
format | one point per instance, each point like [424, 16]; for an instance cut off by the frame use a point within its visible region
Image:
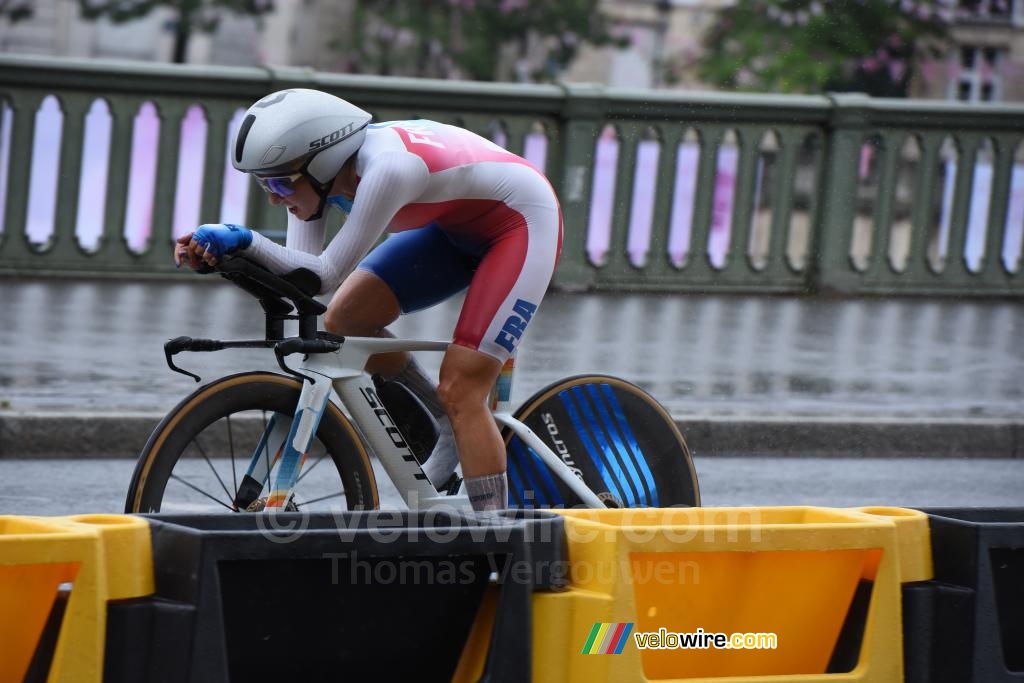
[812, 46]
[786, 46]
[16, 10]
[190, 15]
[487, 40]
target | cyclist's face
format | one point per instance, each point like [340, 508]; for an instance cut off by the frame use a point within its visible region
[302, 203]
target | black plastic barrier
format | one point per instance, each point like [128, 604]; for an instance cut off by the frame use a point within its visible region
[968, 623]
[372, 595]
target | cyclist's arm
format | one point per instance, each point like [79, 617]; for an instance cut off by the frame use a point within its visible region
[306, 236]
[389, 182]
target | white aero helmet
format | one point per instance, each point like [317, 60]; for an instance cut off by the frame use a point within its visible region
[300, 130]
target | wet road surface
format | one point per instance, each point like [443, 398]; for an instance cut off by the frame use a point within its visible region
[31, 487]
[73, 346]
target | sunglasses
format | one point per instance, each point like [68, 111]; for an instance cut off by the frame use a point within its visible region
[282, 186]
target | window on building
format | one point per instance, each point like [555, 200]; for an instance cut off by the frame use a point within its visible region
[988, 9]
[977, 74]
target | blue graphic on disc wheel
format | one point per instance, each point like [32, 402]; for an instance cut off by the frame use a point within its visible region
[630, 439]
[516, 487]
[529, 473]
[627, 451]
[583, 422]
[606, 437]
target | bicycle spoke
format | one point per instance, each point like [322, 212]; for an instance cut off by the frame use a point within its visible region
[317, 500]
[231, 448]
[186, 445]
[202, 452]
[266, 432]
[199, 490]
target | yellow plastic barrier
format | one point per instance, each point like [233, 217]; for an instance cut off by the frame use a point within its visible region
[913, 539]
[102, 557]
[474, 653]
[791, 572]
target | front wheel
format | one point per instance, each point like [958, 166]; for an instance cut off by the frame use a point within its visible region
[197, 456]
[613, 435]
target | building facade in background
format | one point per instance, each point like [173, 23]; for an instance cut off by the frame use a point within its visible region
[986, 63]
[665, 45]
[296, 32]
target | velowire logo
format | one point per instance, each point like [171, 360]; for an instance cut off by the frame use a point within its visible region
[607, 639]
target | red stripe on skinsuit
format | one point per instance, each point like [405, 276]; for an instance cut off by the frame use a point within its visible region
[442, 148]
[558, 253]
[494, 278]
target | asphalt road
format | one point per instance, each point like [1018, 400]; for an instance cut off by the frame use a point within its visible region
[63, 487]
[93, 349]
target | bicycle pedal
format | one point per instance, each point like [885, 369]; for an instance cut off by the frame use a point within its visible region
[260, 504]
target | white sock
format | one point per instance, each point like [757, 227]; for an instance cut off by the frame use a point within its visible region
[445, 456]
[489, 492]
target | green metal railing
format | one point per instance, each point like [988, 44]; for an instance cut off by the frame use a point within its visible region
[834, 193]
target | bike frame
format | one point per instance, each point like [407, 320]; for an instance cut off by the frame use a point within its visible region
[342, 371]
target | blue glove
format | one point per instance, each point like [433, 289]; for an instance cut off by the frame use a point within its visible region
[222, 238]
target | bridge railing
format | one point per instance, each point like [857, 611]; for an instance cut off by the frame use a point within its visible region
[103, 163]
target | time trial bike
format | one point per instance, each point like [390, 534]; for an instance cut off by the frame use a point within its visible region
[306, 439]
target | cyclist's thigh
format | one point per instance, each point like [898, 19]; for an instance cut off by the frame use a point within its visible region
[421, 266]
[511, 279]
[363, 305]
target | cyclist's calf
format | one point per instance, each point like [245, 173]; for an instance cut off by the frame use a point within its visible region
[466, 380]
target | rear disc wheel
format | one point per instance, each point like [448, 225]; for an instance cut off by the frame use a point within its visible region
[613, 435]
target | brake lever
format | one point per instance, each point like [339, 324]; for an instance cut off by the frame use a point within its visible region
[175, 346]
[307, 346]
[179, 344]
[284, 366]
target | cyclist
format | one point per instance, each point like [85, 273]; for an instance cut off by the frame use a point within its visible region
[462, 212]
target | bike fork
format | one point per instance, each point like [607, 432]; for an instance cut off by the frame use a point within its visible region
[312, 403]
[267, 453]
[289, 443]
